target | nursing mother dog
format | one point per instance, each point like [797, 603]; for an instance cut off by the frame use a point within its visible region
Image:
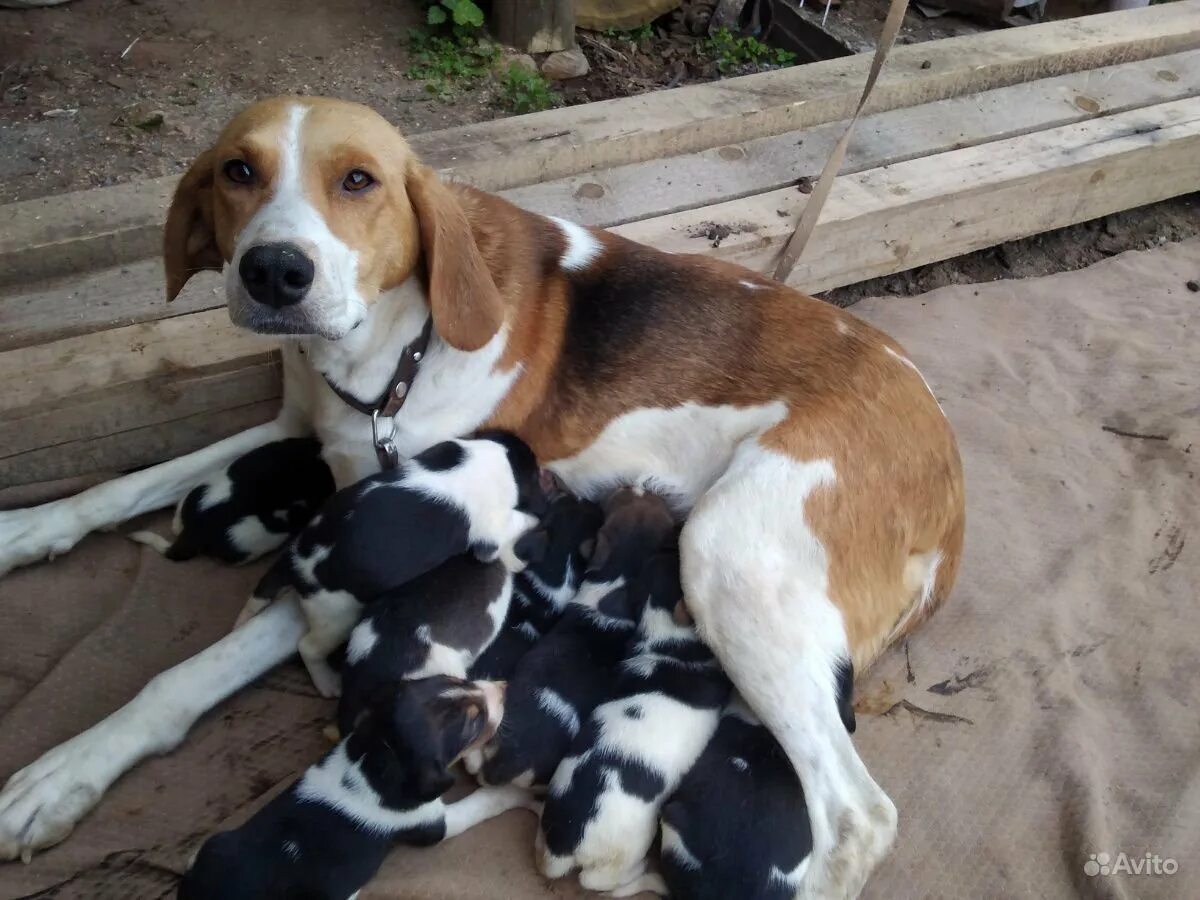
[821, 482]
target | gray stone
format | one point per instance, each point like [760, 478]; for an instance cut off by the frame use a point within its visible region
[565, 64]
[523, 60]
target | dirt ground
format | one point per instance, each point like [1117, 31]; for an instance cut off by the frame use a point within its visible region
[196, 64]
[97, 92]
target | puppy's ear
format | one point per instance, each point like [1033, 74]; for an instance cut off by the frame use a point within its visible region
[532, 546]
[467, 307]
[189, 238]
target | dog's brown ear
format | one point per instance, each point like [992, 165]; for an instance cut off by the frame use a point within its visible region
[467, 308]
[189, 241]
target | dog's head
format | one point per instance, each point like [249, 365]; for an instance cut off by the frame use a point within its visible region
[412, 732]
[317, 206]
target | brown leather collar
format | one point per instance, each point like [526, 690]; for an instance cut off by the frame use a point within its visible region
[389, 402]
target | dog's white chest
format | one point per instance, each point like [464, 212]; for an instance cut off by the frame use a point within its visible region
[453, 394]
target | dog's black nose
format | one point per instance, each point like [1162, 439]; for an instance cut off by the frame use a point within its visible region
[276, 274]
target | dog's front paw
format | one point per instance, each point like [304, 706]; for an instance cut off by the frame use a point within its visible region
[41, 532]
[40, 804]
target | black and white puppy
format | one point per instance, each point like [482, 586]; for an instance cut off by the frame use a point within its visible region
[601, 812]
[557, 552]
[252, 507]
[742, 793]
[437, 624]
[571, 670]
[462, 496]
[326, 836]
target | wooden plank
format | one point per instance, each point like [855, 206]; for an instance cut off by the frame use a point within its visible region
[134, 449]
[49, 372]
[877, 222]
[154, 400]
[71, 233]
[117, 387]
[133, 293]
[894, 218]
[662, 186]
[97, 301]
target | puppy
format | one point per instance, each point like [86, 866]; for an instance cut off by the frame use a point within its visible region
[571, 670]
[326, 836]
[252, 507]
[437, 624]
[743, 793]
[557, 551]
[601, 812]
[459, 496]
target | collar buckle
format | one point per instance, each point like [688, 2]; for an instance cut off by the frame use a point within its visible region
[393, 397]
[385, 444]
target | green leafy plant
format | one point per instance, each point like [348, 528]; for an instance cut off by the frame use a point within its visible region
[522, 90]
[733, 52]
[637, 35]
[463, 13]
[449, 64]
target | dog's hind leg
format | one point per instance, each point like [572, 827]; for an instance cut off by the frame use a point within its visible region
[38, 532]
[42, 803]
[755, 578]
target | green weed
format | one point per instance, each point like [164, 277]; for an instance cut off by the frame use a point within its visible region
[523, 91]
[733, 52]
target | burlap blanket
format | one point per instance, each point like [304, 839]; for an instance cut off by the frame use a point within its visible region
[1046, 715]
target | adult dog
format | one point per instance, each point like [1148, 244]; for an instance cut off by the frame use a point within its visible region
[823, 482]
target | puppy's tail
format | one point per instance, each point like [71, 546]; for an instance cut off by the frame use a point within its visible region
[281, 576]
[176, 551]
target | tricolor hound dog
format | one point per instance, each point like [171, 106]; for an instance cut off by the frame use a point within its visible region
[823, 482]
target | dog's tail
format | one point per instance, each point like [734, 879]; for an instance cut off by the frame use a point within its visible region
[176, 551]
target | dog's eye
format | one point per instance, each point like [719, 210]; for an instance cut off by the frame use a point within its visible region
[357, 180]
[238, 171]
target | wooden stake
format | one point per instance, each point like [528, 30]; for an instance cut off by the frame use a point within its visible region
[534, 26]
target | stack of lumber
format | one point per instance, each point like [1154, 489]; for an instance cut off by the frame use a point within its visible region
[968, 142]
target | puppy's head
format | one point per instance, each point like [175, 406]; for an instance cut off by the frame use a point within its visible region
[412, 732]
[534, 488]
[558, 549]
[317, 206]
[636, 524]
